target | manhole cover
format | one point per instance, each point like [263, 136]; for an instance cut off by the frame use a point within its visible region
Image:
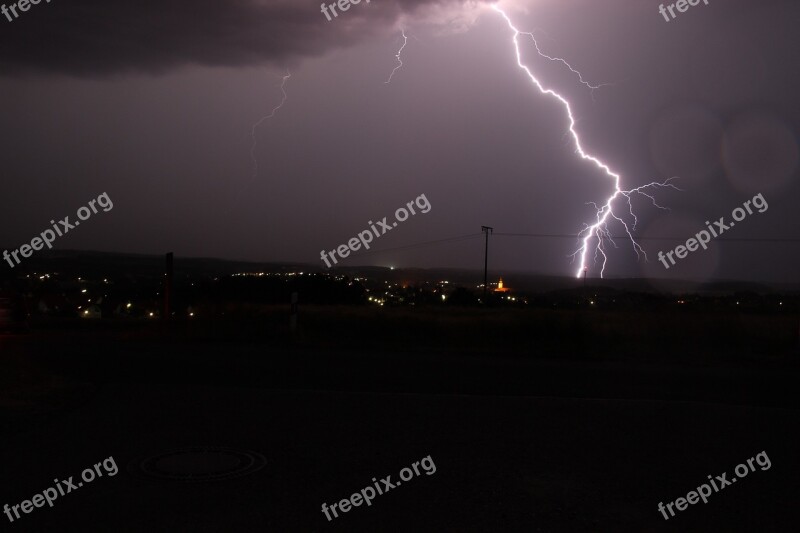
[201, 463]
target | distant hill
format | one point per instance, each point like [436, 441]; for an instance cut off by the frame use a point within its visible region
[99, 264]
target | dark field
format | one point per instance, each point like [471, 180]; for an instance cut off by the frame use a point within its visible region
[536, 420]
[594, 334]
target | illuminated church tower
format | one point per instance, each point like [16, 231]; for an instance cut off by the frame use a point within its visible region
[500, 287]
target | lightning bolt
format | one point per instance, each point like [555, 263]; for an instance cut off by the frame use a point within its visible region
[267, 117]
[397, 56]
[605, 212]
[563, 62]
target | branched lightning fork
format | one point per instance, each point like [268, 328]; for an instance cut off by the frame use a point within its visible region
[599, 229]
[563, 62]
[397, 56]
[266, 117]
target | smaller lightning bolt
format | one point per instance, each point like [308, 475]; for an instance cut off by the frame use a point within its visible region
[397, 56]
[266, 117]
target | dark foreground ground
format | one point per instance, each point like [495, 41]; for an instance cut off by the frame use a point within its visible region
[519, 444]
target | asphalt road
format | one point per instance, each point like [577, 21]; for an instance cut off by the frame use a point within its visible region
[518, 445]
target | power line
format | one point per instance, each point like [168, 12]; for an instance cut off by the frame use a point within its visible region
[676, 239]
[470, 236]
[423, 244]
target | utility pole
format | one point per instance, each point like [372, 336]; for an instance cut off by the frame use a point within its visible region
[293, 316]
[487, 230]
[168, 271]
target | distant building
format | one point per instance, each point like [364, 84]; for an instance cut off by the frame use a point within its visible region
[500, 287]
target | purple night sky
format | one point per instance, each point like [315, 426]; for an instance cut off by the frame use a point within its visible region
[153, 103]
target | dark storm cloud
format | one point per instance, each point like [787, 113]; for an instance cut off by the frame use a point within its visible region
[102, 37]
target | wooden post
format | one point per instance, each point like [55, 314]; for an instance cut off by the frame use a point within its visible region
[293, 315]
[168, 288]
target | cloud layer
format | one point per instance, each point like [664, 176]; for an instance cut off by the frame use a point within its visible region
[94, 38]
